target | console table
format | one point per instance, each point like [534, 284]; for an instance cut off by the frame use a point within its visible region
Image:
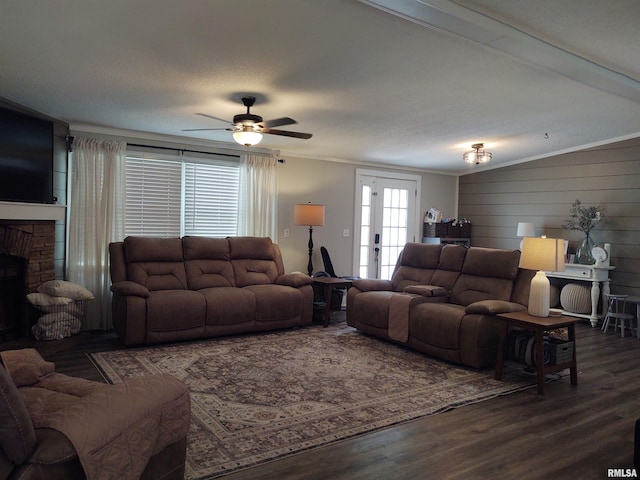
[599, 278]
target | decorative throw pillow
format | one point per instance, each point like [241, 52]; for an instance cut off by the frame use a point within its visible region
[26, 366]
[47, 303]
[62, 288]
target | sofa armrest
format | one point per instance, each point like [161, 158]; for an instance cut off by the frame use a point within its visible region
[494, 307]
[427, 290]
[127, 288]
[294, 280]
[372, 284]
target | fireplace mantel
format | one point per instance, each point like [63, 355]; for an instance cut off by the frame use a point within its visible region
[31, 211]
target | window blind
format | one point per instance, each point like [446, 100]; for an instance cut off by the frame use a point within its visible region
[211, 200]
[179, 196]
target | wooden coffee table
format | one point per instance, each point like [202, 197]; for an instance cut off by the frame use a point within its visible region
[539, 325]
[329, 284]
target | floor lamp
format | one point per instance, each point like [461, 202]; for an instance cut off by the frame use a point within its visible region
[310, 215]
[543, 255]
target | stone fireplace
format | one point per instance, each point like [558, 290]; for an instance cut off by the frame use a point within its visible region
[27, 261]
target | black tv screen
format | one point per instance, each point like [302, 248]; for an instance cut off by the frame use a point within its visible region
[26, 158]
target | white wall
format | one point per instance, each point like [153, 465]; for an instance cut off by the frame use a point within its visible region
[332, 184]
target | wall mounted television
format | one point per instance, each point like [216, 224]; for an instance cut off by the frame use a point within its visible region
[26, 158]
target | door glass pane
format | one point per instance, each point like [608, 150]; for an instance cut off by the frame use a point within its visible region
[365, 231]
[394, 229]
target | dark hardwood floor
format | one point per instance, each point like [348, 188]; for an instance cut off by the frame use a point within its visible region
[574, 432]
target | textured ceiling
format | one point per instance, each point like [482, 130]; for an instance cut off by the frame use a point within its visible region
[370, 85]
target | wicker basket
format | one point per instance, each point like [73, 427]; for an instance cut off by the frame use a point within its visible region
[429, 230]
[60, 321]
[560, 351]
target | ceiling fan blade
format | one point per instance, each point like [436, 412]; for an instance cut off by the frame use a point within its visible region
[284, 133]
[278, 122]
[201, 129]
[212, 117]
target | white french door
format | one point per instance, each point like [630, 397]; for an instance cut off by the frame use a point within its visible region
[386, 218]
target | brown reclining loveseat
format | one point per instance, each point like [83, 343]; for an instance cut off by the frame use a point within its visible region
[442, 300]
[170, 289]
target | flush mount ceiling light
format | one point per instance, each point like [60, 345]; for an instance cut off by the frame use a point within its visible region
[247, 136]
[477, 155]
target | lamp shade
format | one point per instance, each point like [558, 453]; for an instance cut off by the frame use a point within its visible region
[525, 229]
[541, 254]
[545, 254]
[308, 214]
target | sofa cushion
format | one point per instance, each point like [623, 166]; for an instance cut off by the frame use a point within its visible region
[251, 247]
[489, 262]
[156, 263]
[172, 310]
[17, 436]
[372, 308]
[427, 290]
[153, 249]
[487, 274]
[437, 324]
[405, 276]
[420, 255]
[494, 307]
[415, 266]
[158, 275]
[207, 262]
[449, 266]
[275, 302]
[228, 305]
[452, 258]
[473, 288]
[253, 260]
[254, 272]
[196, 248]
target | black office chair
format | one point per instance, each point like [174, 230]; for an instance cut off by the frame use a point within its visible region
[328, 266]
[336, 295]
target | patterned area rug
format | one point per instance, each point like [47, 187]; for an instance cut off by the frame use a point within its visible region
[256, 398]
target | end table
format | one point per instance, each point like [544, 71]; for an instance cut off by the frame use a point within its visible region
[329, 283]
[538, 325]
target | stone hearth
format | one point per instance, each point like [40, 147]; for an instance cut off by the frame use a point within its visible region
[33, 242]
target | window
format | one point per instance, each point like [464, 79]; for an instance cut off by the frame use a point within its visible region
[175, 195]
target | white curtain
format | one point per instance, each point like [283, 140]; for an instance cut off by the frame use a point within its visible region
[258, 215]
[96, 218]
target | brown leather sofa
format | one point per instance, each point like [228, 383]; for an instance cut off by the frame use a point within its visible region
[169, 289]
[442, 300]
[53, 426]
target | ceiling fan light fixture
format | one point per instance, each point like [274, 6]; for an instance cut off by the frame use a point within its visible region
[477, 155]
[247, 137]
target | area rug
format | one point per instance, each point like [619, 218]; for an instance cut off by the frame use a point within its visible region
[257, 398]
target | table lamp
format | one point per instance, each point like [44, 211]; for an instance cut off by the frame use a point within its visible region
[541, 254]
[525, 229]
[311, 215]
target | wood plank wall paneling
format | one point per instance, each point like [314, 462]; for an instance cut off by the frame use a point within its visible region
[542, 191]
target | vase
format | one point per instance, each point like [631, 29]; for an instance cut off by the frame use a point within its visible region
[583, 252]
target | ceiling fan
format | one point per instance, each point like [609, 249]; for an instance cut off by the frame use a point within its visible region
[248, 128]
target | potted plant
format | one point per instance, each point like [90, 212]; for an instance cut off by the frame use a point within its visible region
[584, 219]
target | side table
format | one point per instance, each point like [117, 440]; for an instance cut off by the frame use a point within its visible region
[329, 284]
[539, 325]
